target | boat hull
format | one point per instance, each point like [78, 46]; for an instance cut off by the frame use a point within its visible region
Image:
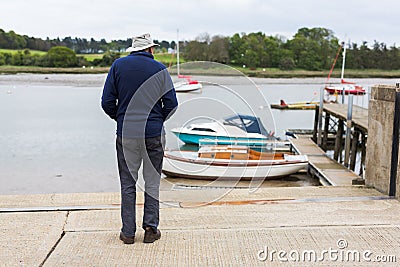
[195, 139]
[182, 166]
[339, 91]
[187, 87]
[300, 105]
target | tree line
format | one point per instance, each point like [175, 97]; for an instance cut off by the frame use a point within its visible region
[57, 56]
[11, 40]
[309, 49]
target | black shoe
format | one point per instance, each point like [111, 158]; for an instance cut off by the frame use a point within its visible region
[126, 239]
[151, 235]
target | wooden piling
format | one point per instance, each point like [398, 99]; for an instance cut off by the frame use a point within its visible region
[363, 152]
[326, 132]
[338, 141]
[354, 146]
[315, 132]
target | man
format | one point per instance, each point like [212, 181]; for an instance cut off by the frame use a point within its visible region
[139, 95]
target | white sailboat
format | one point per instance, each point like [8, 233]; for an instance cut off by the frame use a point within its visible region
[344, 87]
[185, 82]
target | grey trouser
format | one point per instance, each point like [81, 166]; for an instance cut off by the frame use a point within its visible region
[130, 154]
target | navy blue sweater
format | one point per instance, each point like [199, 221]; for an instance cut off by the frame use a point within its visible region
[139, 95]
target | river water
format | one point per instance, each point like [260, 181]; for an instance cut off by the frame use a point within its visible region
[54, 137]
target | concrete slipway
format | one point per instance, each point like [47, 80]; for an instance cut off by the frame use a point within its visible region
[330, 226]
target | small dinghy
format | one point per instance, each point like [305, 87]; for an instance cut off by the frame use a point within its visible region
[231, 162]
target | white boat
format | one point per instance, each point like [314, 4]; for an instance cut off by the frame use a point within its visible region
[187, 85]
[231, 163]
[344, 87]
[185, 82]
[237, 129]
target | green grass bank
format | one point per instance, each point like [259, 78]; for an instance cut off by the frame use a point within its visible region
[261, 73]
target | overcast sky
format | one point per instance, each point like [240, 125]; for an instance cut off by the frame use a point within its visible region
[354, 20]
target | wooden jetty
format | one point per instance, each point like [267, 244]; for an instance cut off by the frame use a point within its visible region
[327, 170]
[335, 129]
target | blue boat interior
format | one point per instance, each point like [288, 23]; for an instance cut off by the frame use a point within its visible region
[247, 123]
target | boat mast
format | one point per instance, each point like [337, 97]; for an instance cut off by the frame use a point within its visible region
[343, 63]
[334, 63]
[177, 50]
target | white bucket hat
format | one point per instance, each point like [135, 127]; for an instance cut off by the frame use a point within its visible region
[141, 42]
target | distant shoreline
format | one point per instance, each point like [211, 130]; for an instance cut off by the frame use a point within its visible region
[42, 70]
[9, 81]
[259, 73]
